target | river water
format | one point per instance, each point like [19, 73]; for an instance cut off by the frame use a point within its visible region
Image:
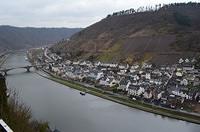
[65, 109]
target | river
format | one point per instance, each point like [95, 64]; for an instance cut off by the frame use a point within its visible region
[65, 109]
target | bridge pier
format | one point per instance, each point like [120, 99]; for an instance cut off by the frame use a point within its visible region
[28, 69]
[5, 73]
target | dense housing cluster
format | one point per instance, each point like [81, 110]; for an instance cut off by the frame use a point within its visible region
[174, 86]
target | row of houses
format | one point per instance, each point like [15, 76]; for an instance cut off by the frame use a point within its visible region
[163, 84]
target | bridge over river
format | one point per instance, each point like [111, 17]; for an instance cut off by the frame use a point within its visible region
[28, 67]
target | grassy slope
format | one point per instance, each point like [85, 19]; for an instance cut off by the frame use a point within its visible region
[167, 30]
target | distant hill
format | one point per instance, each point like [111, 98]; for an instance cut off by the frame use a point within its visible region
[20, 38]
[160, 36]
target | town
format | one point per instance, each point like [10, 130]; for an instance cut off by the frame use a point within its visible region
[170, 86]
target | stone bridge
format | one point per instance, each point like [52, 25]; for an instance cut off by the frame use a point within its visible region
[28, 67]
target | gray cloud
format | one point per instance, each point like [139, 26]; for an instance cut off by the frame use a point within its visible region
[65, 13]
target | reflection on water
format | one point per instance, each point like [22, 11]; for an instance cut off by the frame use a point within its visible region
[68, 111]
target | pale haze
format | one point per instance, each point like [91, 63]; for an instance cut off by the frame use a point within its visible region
[66, 13]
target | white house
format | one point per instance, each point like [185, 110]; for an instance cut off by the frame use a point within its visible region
[179, 74]
[180, 61]
[103, 82]
[148, 76]
[134, 67]
[133, 90]
[136, 77]
[145, 65]
[122, 67]
[99, 75]
[159, 96]
[184, 82]
[76, 63]
[68, 62]
[97, 63]
[83, 63]
[55, 69]
[148, 95]
[140, 91]
[181, 94]
[129, 83]
[113, 83]
[187, 60]
[188, 67]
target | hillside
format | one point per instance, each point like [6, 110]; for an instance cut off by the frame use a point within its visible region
[18, 38]
[160, 36]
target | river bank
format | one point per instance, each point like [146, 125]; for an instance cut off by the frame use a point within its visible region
[16, 114]
[66, 110]
[126, 101]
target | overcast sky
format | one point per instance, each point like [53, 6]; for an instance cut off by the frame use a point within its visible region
[65, 13]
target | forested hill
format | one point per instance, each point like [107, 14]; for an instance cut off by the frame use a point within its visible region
[26, 37]
[161, 35]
